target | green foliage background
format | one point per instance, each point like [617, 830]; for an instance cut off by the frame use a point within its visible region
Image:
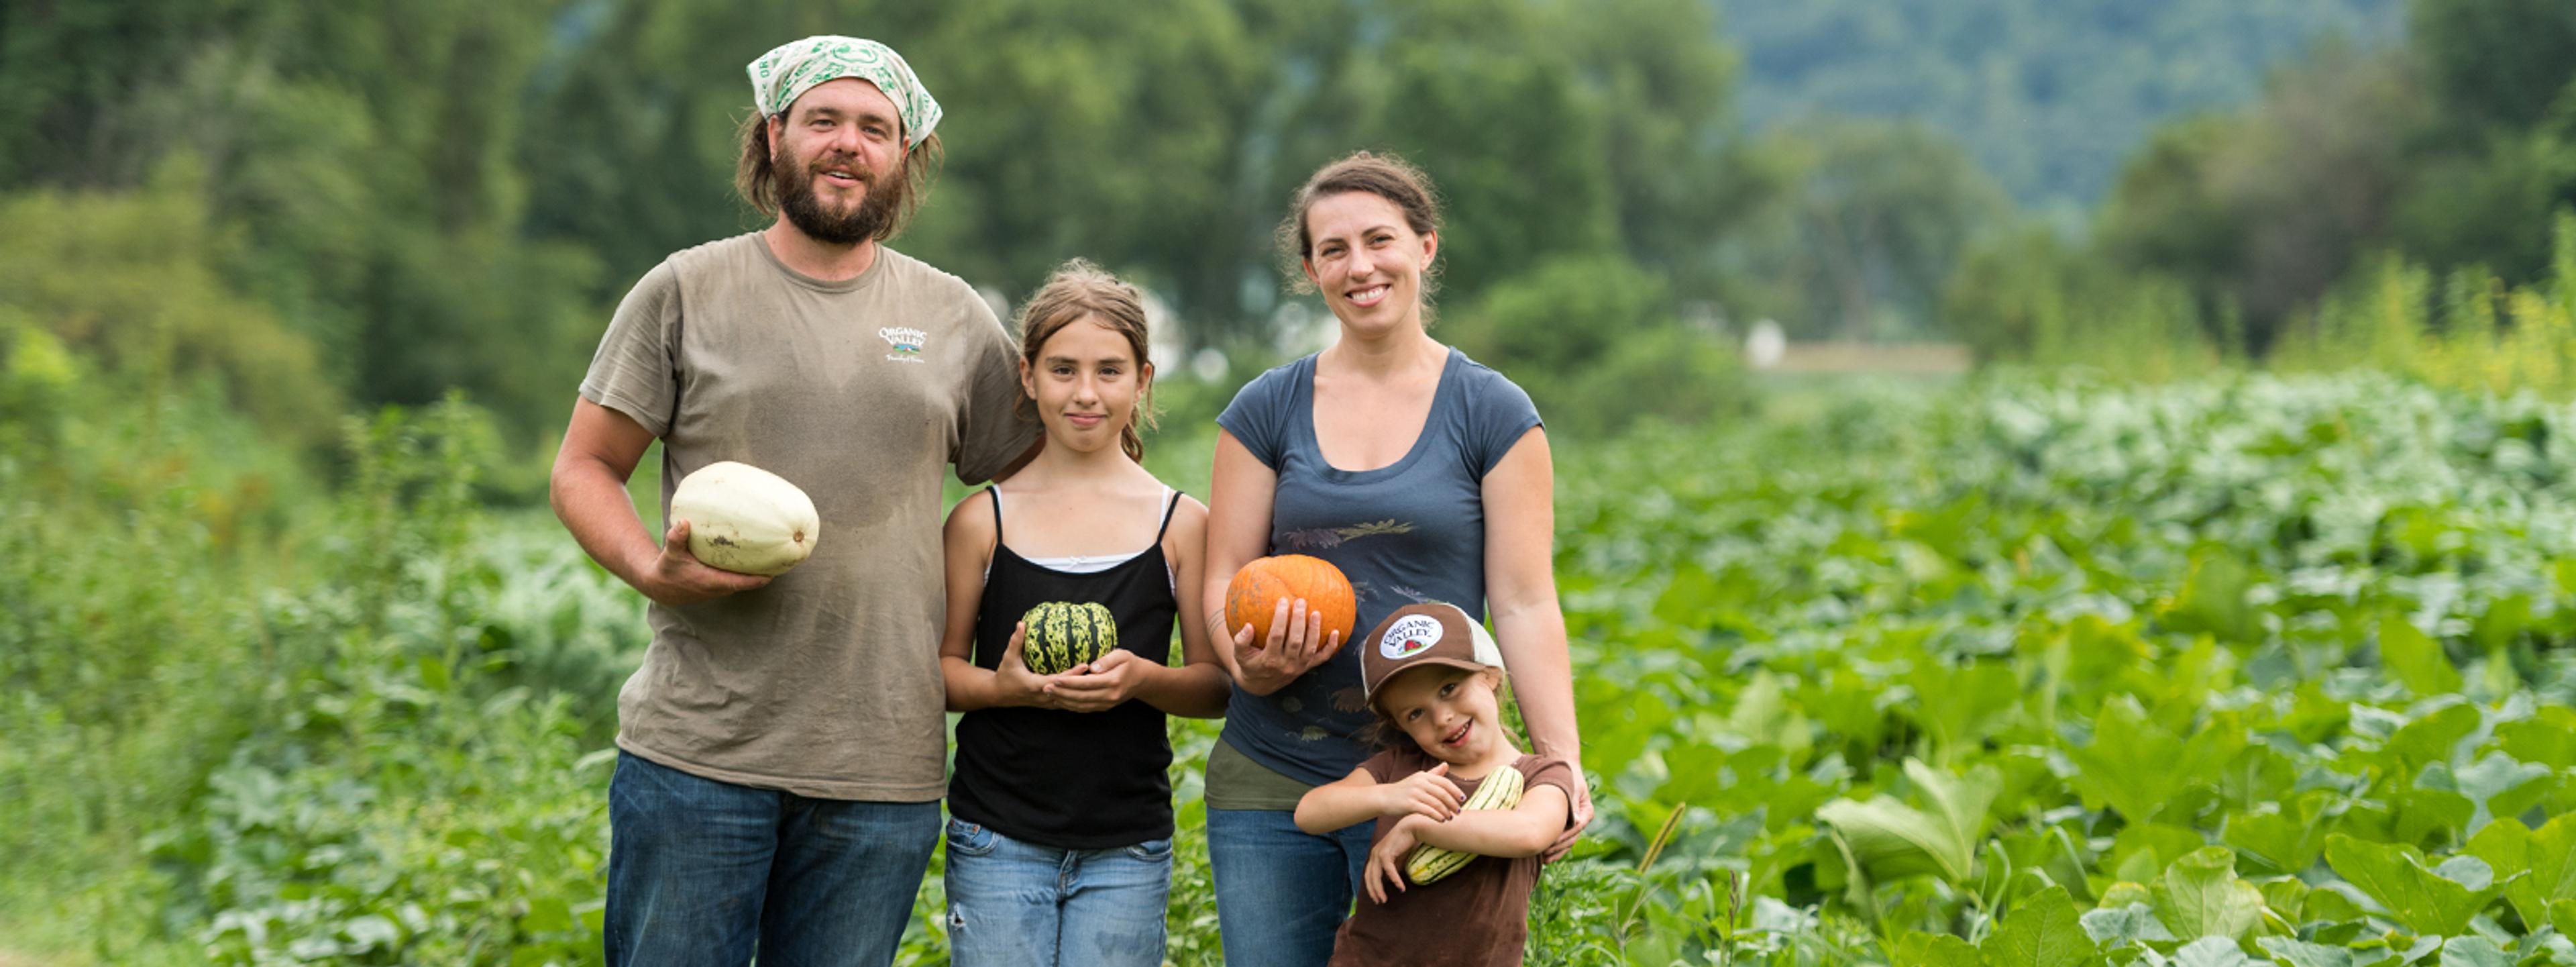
[2125, 651]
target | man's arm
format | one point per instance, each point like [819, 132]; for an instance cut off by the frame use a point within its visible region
[588, 491]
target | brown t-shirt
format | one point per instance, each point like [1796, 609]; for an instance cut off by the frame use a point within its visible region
[1475, 917]
[826, 682]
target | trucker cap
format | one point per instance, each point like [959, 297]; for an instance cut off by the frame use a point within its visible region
[1432, 633]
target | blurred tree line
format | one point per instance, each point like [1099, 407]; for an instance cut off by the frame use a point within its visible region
[2313, 223]
[316, 206]
[388, 200]
[2049, 97]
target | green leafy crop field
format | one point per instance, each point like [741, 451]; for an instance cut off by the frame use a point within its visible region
[2025, 671]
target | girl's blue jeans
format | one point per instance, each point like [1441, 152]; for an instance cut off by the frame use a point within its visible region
[1019, 904]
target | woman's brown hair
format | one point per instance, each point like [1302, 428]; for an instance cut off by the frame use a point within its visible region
[755, 176]
[1080, 290]
[1385, 176]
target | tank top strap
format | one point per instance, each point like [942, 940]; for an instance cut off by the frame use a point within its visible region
[1171, 502]
[994, 491]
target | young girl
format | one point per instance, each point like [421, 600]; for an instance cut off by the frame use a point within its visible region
[1431, 674]
[1060, 830]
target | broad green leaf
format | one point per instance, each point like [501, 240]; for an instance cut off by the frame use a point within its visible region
[1689, 597]
[2139, 767]
[2288, 835]
[2130, 924]
[2211, 952]
[2418, 815]
[2415, 659]
[2548, 738]
[1892, 840]
[2473, 951]
[2200, 896]
[2416, 896]
[2540, 865]
[2495, 786]
[2300, 953]
[2562, 915]
[1959, 706]
[2123, 893]
[2286, 897]
[2141, 852]
[2212, 599]
[1920, 949]
[2043, 932]
[2331, 906]
[2430, 738]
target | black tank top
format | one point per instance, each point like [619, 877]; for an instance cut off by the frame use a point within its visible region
[1070, 780]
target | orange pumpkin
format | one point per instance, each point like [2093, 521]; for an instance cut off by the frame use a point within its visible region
[1253, 596]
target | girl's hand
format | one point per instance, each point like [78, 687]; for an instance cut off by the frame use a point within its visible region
[1296, 644]
[1386, 859]
[1100, 685]
[1015, 683]
[1429, 794]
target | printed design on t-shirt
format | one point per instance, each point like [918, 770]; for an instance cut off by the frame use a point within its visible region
[907, 342]
[1350, 699]
[1324, 538]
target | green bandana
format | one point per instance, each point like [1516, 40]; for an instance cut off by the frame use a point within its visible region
[781, 76]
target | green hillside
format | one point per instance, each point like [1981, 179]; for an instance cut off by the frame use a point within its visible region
[2049, 96]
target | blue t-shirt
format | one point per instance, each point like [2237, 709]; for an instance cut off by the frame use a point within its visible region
[1408, 532]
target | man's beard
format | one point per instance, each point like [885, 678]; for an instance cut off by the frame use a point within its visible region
[848, 226]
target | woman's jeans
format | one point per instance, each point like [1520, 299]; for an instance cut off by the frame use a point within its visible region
[1281, 893]
[1018, 904]
[708, 872]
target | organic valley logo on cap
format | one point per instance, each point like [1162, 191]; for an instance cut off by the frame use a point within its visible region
[1411, 636]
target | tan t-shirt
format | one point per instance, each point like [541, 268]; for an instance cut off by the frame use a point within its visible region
[826, 682]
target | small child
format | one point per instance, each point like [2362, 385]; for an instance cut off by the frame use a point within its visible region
[1432, 674]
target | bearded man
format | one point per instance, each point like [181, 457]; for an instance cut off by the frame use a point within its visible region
[782, 749]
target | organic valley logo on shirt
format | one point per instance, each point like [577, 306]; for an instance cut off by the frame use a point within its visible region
[1411, 636]
[906, 342]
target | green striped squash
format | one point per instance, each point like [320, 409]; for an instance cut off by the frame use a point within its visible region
[1063, 634]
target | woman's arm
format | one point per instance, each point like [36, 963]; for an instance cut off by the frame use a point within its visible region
[1520, 591]
[1524, 830]
[1240, 494]
[968, 539]
[1198, 688]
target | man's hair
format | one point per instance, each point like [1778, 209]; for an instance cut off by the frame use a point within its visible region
[755, 176]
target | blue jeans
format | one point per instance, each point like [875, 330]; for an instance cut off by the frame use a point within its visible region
[1019, 904]
[707, 872]
[1281, 893]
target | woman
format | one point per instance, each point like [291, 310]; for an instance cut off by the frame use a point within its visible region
[1424, 477]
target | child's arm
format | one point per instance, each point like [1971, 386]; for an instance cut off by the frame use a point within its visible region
[1359, 797]
[1524, 830]
[1197, 689]
[969, 539]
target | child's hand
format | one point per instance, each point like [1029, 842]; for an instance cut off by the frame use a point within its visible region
[1101, 685]
[1386, 859]
[1428, 793]
[1017, 684]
